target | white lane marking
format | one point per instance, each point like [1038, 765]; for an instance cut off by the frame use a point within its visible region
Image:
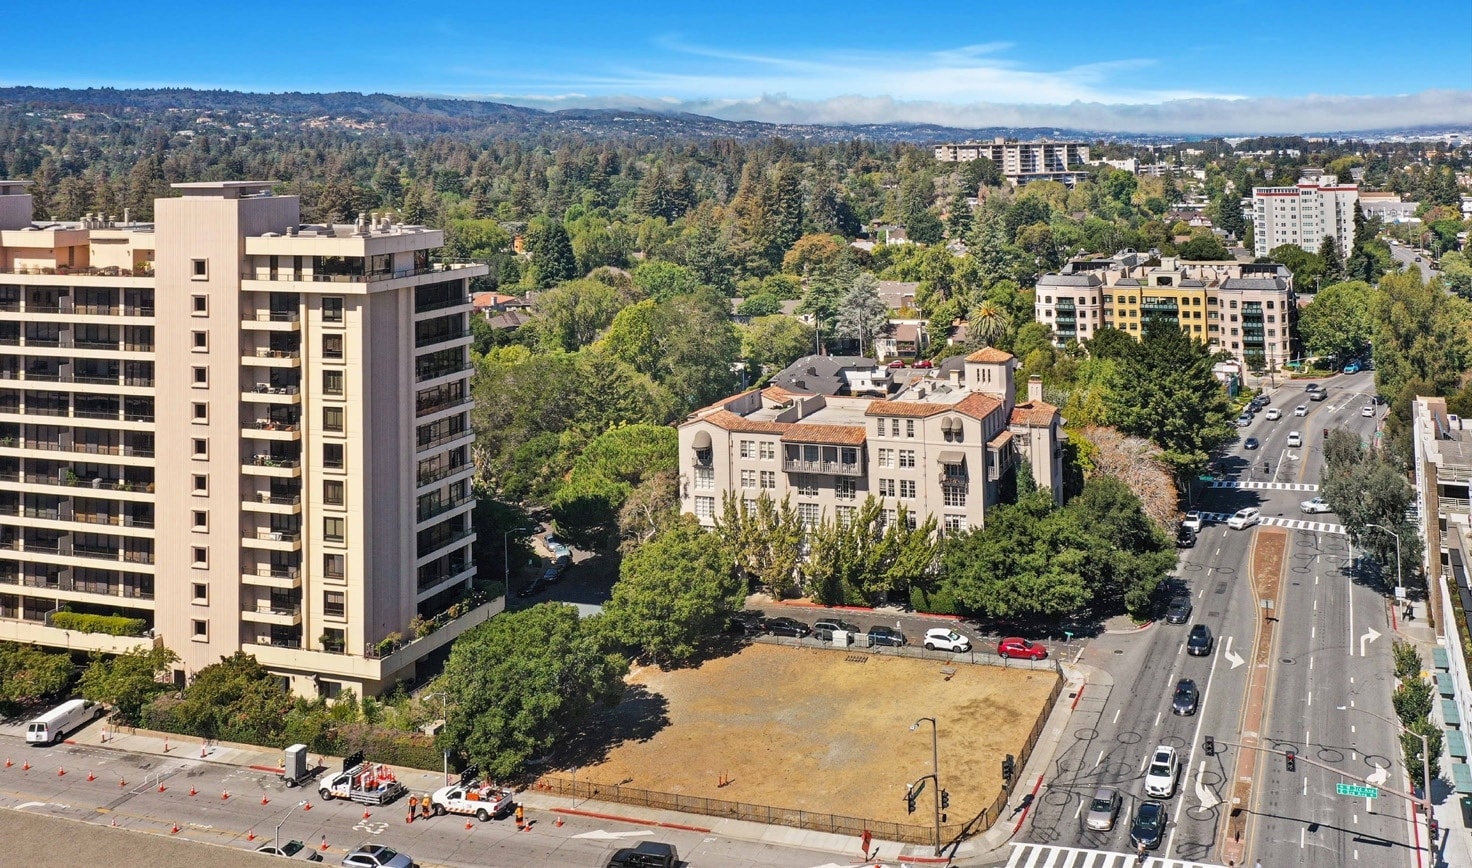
[601, 835]
[1116, 714]
[1157, 717]
[1100, 760]
[1310, 699]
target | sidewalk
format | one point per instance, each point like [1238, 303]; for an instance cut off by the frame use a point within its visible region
[1455, 846]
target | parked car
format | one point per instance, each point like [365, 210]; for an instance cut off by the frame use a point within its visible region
[648, 854]
[746, 624]
[1242, 519]
[787, 627]
[943, 639]
[1184, 701]
[1300, 410]
[826, 627]
[1193, 520]
[1368, 410]
[887, 637]
[897, 363]
[1160, 777]
[1352, 368]
[1199, 641]
[1315, 506]
[923, 363]
[1103, 809]
[1019, 648]
[1185, 537]
[1250, 443]
[1244, 420]
[377, 856]
[531, 588]
[1273, 415]
[1148, 827]
[292, 850]
[1179, 610]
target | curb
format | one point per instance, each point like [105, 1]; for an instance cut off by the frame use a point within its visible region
[1143, 627]
[634, 820]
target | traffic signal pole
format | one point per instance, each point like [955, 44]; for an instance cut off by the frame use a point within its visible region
[1424, 803]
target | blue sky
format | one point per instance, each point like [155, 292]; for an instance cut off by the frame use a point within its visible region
[1214, 66]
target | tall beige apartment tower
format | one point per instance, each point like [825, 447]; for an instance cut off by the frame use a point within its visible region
[270, 419]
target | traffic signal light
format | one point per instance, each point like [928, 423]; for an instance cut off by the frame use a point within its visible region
[1009, 766]
[1432, 828]
[1291, 760]
[910, 800]
[1267, 467]
[945, 799]
[1210, 746]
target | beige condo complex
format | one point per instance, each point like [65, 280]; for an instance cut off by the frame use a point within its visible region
[239, 431]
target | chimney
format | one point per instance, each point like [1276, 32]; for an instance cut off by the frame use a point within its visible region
[956, 377]
[1035, 388]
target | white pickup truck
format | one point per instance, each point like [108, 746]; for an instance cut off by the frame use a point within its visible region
[364, 782]
[482, 801]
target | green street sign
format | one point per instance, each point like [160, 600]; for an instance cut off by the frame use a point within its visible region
[1357, 790]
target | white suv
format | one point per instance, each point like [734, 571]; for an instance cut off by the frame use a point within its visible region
[1160, 777]
[1244, 518]
[941, 639]
[1273, 414]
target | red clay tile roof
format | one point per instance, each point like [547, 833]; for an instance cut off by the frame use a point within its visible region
[978, 405]
[989, 355]
[1034, 414]
[734, 422]
[915, 409]
[777, 393]
[842, 435]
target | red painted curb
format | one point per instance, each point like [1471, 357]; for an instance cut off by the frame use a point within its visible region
[932, 860]
[618, 819]
[273, 769]
[68, 741]
[1078, 696]
[1022, 819]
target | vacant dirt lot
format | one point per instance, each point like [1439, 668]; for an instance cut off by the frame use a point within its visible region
[810, 729]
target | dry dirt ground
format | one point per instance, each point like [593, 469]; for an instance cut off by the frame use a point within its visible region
[814, 730]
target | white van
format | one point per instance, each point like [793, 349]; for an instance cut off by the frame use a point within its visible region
[69, 716]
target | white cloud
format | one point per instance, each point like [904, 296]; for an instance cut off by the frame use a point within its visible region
[1203, 116]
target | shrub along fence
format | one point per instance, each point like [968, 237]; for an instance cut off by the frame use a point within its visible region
[815, 821]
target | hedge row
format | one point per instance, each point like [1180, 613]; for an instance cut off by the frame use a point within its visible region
[112, 625]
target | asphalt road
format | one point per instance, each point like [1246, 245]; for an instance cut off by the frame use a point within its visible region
[209, 819]
[1407, 256]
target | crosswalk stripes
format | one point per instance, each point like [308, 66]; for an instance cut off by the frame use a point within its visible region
[1050, 856]
[1274, 521]
[1264, 486]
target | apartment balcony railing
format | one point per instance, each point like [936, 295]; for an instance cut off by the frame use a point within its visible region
[360, 277]
[278, 499]
[274, 461]
[443, 541]
[273, 316]
[426, 513]
[268, 389]
[278, 536]
[441, 338]
[269, 572]
[65, 270]
[82, 448]
[435, 407]
[473, 601]
[430, 580]
[832, 468]
[436, 475]
[441, 304]
[424, 445]
[268, 353]
[274, 425]
[441, 371]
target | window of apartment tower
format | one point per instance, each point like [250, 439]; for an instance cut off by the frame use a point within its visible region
[332, 382]
[332, 419]
[199, 630]
[335, 604]
[332, 309]
[332, 346]
[334, 528]
[200, 305]
[332, 456]
[199, 269]
[334, 566]
[332, 492]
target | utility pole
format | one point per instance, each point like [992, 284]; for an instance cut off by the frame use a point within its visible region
[934, 770]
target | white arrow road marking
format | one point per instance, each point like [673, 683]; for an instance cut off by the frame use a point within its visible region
[1366, 639]
[23, 805]
[1207, 797]
[1232, 657]
[600, 835]
[1378, 777]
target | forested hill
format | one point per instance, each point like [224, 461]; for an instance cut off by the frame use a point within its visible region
[438, 115]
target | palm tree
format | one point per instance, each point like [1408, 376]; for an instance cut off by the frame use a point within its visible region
[989, 323]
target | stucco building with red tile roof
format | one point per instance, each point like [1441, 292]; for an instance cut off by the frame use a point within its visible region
[943, 445]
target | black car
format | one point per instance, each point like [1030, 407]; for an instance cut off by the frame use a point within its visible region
[1149, 825]
[1198, 642]
[787, 627]
[1250, 443]
[746, 624]
[531, 588]
[1185, 699]
[1179, 610]
[887, 636]
[1185, 537]
[649, 854]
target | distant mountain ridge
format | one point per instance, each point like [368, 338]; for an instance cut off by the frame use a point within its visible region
[432, 115]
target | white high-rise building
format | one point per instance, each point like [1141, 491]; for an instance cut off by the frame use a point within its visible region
[1303, 214]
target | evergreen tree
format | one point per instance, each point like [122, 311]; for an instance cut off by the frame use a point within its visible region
[553, 261]
[1333, 262]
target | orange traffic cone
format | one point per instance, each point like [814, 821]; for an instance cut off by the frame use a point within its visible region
[324, 843]
[60, 772]
[161, 787]
[122, 782]
[467, 824]
[251, 835]
[265, 801]
[91, 777]
[366, 815]
[307, 806]
[9, 762]
[175, 830]
[558, 823]
[193, 791]
[224, 795]
[114, 822]
[25, 766]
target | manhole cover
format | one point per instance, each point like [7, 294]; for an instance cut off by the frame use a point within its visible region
[1286, 659]
[1118, 650]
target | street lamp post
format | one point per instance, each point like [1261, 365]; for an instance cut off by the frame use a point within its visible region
[1398, 582]
[444, 719]
[934, 770]
[1425, 760]
[302, 803]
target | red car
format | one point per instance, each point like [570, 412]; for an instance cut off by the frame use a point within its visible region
[923, 363]
[1017, 647]
[897, 363]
